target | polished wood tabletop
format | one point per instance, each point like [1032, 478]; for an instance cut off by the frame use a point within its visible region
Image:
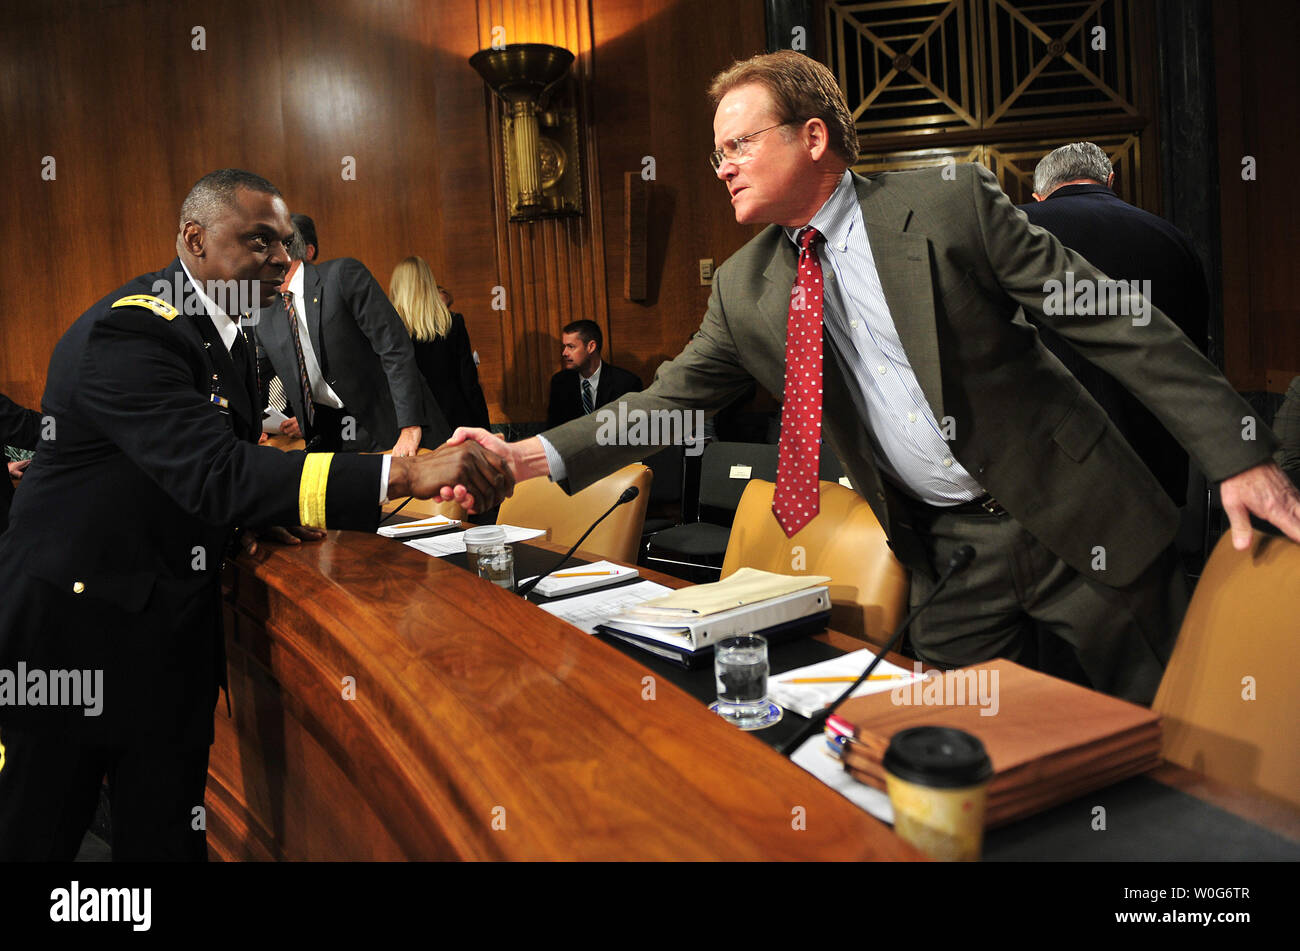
[387, 704]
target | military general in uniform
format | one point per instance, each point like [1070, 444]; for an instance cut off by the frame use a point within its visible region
[110, 566]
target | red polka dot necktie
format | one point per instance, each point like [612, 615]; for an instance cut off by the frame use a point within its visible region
[796, 500]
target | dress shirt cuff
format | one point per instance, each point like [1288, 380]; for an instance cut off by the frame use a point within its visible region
[383, 479]
[554, 461]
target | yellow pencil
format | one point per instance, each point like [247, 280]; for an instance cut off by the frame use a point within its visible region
[839, 680]
[584, 574]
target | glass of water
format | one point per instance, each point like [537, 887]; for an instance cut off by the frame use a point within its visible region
[740, 669]
[497, 564]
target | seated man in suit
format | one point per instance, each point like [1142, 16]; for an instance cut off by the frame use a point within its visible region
[884, 310]
[345, 360]
[1074, 201]
[585, 383]
[20, 428]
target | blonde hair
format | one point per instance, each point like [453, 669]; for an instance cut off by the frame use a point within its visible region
[414, 293]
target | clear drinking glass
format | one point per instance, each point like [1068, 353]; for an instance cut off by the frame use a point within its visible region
[497, 564]
[480, 537]
[740, 668]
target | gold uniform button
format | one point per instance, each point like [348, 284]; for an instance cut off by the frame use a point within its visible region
[78, 587]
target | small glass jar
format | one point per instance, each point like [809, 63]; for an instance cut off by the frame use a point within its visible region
[497, 564]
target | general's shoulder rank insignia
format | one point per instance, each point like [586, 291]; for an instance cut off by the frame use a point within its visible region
[156, 304]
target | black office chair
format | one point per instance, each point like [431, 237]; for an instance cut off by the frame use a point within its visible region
[665, 508]
[694, 551]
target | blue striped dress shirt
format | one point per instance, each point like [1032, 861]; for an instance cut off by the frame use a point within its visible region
[910, 448]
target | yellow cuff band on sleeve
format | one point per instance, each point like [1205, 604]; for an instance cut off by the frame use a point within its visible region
[311, 489]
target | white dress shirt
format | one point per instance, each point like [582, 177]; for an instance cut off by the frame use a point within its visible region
[321, 391]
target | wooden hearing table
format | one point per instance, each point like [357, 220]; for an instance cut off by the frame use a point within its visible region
[389, 705]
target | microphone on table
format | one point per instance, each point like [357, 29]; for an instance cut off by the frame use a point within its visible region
[628, 495]
[962, 557]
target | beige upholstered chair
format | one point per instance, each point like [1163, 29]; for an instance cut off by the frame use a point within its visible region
[1230, 698]
[868, 585]
[540, 503]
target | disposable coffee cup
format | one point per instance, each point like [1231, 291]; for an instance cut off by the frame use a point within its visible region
[481, 538]
[937, 778]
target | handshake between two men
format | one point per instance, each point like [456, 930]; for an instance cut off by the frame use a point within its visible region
[463, 472]
[457, 471]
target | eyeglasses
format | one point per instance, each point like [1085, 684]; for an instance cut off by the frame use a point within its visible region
[737, 150]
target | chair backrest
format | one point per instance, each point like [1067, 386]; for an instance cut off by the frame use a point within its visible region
[540, 503]
[1230, 698]
[868, 585]
[727, 468]
[666, 464]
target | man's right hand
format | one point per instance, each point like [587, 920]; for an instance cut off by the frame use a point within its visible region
[465, 473]
[290, 428]
[527, 458]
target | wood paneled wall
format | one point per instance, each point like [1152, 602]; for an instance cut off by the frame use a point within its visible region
[132, 114]
[1259, 86]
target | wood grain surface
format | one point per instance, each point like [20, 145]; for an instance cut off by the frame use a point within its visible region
[481, 728]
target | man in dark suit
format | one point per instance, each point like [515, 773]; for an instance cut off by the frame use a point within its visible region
[586, 383]
[883, 310]
[346, 363]
[21, 428]
[151, 463]
[1074, 202]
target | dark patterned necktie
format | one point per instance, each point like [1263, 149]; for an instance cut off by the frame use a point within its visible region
[303, 381]
[239, 357]
[588, 404]
[796, 499]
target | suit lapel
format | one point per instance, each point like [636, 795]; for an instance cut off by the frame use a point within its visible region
[903, 261]
[228, 384]
[311, 295]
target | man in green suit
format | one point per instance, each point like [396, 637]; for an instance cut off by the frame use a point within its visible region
[950, 416]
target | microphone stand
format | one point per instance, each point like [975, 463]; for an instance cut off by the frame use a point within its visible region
[959, 560]
[628, 495]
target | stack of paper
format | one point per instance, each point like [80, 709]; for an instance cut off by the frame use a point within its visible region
[1050, 741]
[420, 527]
[588, 611]
[582, 578]
[811, 698]
[684, 625]
[453, 543]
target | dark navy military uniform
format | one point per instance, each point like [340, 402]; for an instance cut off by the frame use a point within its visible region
[18, 427]
[112, 562]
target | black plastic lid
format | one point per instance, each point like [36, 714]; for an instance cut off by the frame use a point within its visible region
[939, 756]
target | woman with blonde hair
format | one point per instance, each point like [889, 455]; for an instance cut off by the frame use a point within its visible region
[441, 341]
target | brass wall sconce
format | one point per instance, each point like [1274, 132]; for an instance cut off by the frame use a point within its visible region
[539, 128]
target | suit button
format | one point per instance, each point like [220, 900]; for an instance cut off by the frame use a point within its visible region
[78, 587]
[881, 496]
